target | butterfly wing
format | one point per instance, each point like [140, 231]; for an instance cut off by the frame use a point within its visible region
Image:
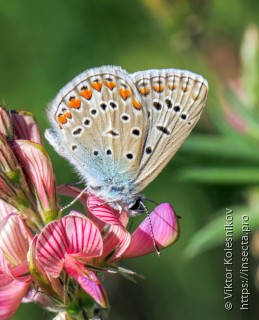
[174, 100]
[100, 126]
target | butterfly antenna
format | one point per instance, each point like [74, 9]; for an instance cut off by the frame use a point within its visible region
[73, 201]
[152, 233]
[152, 201]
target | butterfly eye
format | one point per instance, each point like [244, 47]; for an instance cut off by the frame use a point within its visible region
[137, 206]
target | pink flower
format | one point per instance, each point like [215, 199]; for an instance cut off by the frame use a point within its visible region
[118, 243]
[14, 281]
[27, 180]
[57, 263]
[69, 243]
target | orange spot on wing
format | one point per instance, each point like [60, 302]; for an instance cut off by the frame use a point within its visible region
[144, 90]
[110, 84]
[158, 88]
[74, 103]
[68, 115]
[86, 93]
[97, 86]
[62, 119]
[136, 104]
[171, 86]
[125, 93]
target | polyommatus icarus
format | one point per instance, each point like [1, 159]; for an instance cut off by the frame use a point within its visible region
[120, 130]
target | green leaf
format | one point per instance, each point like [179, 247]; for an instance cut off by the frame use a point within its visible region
[220, 175]
[226, 148]
[214, 233]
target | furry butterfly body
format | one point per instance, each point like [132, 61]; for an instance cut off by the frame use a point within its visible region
[120, 130]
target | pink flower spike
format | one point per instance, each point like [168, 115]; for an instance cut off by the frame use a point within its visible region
[25, 126]
[37, 165]
[165, 229]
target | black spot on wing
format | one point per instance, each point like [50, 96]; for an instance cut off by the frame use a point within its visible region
[164, 130]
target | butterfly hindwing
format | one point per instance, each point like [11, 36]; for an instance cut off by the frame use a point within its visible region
[174, 100]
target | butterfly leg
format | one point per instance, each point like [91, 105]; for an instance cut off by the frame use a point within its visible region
[73, 201]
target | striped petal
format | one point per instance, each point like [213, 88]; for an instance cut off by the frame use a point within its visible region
[11, 296]
[25, 126]
[103, 211]
[72, 235]
[14, 240]
[13, 185]
[87, 279]
[5, 209]
[6, 127]
[116, 238]
[165, 230]
[37, 165]
[92, 285]
[83, 236]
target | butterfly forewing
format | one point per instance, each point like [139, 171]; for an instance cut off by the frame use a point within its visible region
[102, 123]
[174, 100]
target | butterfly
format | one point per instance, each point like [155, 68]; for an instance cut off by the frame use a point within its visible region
[119, 130]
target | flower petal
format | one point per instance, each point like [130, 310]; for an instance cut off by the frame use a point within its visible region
[25, 126]
[38, 297]
[87, 279]
[38, 167]
[11, 296]
[13, 186]
[14, 240]
[165, 230]
[6, 127]
[5, 209]
[50, 286]
[92, 285]
[117, 238]
[74, 235]
[103, 211]
[83, 236]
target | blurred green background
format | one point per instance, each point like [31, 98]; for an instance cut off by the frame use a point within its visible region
[44, 44]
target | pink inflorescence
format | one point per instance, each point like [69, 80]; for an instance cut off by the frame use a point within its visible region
[53, 260]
